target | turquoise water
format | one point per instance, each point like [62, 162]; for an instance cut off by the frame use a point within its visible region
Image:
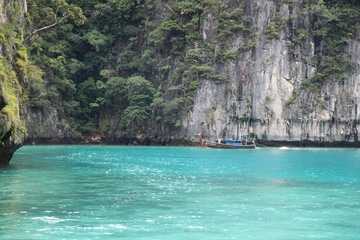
[120, 192]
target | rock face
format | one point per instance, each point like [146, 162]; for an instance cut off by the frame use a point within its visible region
[45, 127]
[264, 95]
[12, 130]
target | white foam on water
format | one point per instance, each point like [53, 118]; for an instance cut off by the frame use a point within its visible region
[118, 226]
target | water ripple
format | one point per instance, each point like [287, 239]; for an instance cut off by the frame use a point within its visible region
[112, 192]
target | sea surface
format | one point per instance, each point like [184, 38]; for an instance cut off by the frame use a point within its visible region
[137, 192]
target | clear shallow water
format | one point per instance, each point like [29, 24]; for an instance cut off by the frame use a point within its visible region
[120, 192]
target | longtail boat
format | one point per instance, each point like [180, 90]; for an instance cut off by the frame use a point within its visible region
[226, 143]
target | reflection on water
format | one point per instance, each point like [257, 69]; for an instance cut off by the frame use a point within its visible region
[118, 192]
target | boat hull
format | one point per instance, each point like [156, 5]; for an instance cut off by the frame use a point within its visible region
[219, 145]
[229, 144]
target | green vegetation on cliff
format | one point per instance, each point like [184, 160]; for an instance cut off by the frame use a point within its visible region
[15, 71]
[128, 65]
[88, 67]
[335, 23]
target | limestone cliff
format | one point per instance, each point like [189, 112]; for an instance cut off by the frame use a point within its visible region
[265, 94]
[275, 88]
[12, 129]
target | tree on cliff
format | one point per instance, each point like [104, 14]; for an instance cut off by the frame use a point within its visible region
[47, 14]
